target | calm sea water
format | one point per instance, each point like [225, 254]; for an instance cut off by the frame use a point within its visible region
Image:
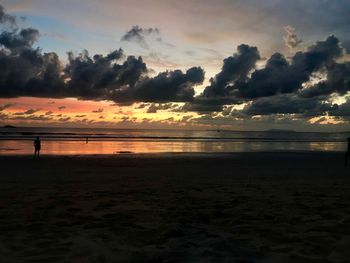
[59, 141]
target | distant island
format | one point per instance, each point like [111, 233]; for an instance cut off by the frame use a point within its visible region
[270, 130]
[279, 130]
[9, 127]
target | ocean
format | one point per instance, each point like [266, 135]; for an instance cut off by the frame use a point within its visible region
[84, 141]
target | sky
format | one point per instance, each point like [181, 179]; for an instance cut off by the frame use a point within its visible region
[194, 64]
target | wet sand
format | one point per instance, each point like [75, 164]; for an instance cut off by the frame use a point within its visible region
[249, 207]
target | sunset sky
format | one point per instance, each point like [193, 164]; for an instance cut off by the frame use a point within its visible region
[194, 64]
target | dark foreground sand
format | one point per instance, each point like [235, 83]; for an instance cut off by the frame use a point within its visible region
[251, 207]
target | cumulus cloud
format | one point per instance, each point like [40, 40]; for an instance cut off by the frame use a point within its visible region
[280, 76]
[90, 77]
[235, 68]
[25, 71]
[291, 39]
[101, 78]
[138, 35]
[239, 82]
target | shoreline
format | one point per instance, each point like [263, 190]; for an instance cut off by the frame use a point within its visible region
[182, 154]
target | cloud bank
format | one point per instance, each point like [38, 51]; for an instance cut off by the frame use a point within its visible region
[281, 86]
[26, 71]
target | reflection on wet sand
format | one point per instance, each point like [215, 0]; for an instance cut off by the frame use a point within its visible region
[113, 147]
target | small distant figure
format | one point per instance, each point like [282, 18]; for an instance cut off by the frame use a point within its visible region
[37, 147]
[87, 139]
[347, 154]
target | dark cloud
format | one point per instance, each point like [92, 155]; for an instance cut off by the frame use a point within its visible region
[342, 110]
[238, 82]
[48, 82]
[6, 18]
[25, 71]
[91, 77]
[338, 81]
[98, 111]
[186, 118]
[169, 86]
[138, 35]
[142, 105]
[176, 86]
[235, 68]
[64, 119]
[61, 107]
[32, 118]
[27, 112]
[291, 39]
[288, 104]
[19, 41]
[154, 107]
[205, 105]
[3, 116]
[131, 71]
[278, 87]
[280, 76]
[5, 106]
[31, 111]
[128, 82]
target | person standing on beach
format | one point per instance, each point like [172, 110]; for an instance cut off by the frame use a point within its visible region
[37, 147]
[347, 154]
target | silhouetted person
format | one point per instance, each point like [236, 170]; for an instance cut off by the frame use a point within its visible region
[87, 139]
[37, 147]
[347, 154]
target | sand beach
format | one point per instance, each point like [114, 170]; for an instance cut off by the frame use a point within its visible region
[242, 207]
